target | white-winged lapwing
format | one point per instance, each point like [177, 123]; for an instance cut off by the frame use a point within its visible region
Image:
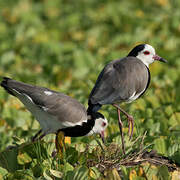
[124, 80]
[56, 112]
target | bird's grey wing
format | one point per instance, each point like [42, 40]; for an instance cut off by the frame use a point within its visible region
[105, 86]
[68, 110]
[134, 75]
[118, 81]
[56, 104]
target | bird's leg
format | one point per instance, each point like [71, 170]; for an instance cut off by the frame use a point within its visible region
[130, 121]
[130, 124]
[36, 135]
[121, 130]
[60, 145]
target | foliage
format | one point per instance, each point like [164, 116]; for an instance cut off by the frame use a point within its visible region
[63, 45]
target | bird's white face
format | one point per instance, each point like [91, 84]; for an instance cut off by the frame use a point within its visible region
[147, 55]
[99, 127]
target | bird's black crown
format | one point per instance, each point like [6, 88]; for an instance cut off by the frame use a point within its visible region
[134, 52]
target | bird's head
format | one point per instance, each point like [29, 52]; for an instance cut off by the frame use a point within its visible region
[146, 53]
[100, 124]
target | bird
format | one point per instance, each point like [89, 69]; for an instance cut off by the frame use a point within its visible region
[56, 112]
[124, 80]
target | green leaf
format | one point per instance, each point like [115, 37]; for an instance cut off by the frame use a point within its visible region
[21, 175]
[125, 172]
[24, 158]
[175, 119]
[68, 167]
[150, 171]
[3, 172]
[8, 159]
[169, 110]
[56, 173]
[112, 174]
[176, 157]
[47, 175]
[38, 170]
[163, 173]
[81, 147]
[160, 145]
[153, 100]
[80, 173]
[94, 173]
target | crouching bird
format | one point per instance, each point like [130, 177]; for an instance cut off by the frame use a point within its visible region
[56, 112]
[124, 80]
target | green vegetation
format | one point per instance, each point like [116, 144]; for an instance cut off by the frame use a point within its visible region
[63, 45]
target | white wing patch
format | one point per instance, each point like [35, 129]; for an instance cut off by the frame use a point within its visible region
[28, 97]
[70, 124]
[44, 108]
[134, 97]
[48, 93]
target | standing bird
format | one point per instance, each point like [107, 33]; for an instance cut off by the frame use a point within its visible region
[123, 80]
[56, 112]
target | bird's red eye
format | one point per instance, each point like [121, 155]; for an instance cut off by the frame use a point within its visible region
[146, 52]
[103, 124]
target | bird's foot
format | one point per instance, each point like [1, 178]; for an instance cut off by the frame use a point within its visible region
[121, 131]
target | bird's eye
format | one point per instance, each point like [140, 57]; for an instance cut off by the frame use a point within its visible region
[146, 52]
[103, 124]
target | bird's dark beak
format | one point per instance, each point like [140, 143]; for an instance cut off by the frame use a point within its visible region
[158, 58]
[102, 136]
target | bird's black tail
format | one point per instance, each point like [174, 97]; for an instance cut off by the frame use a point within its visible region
[4, 84]
[92, 108]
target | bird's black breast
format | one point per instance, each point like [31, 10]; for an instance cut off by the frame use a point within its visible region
[79, 130]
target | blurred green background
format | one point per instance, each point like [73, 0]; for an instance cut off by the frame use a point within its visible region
[64, 44]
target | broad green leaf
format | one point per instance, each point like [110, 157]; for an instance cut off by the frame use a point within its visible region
[56, 173]
[81, 173]
[68, 167]
[23, 158]
[172, 149]
[112, 174]
[125, 172]
[3, 172]
[94, 173]
[169, 110]
[175, 119]
[21, 174]
[8, 159]
[160, 145]
[153, 100]
[163, 173]
[38, 170]
[47, 175]
[81, 147]
[150, 171]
